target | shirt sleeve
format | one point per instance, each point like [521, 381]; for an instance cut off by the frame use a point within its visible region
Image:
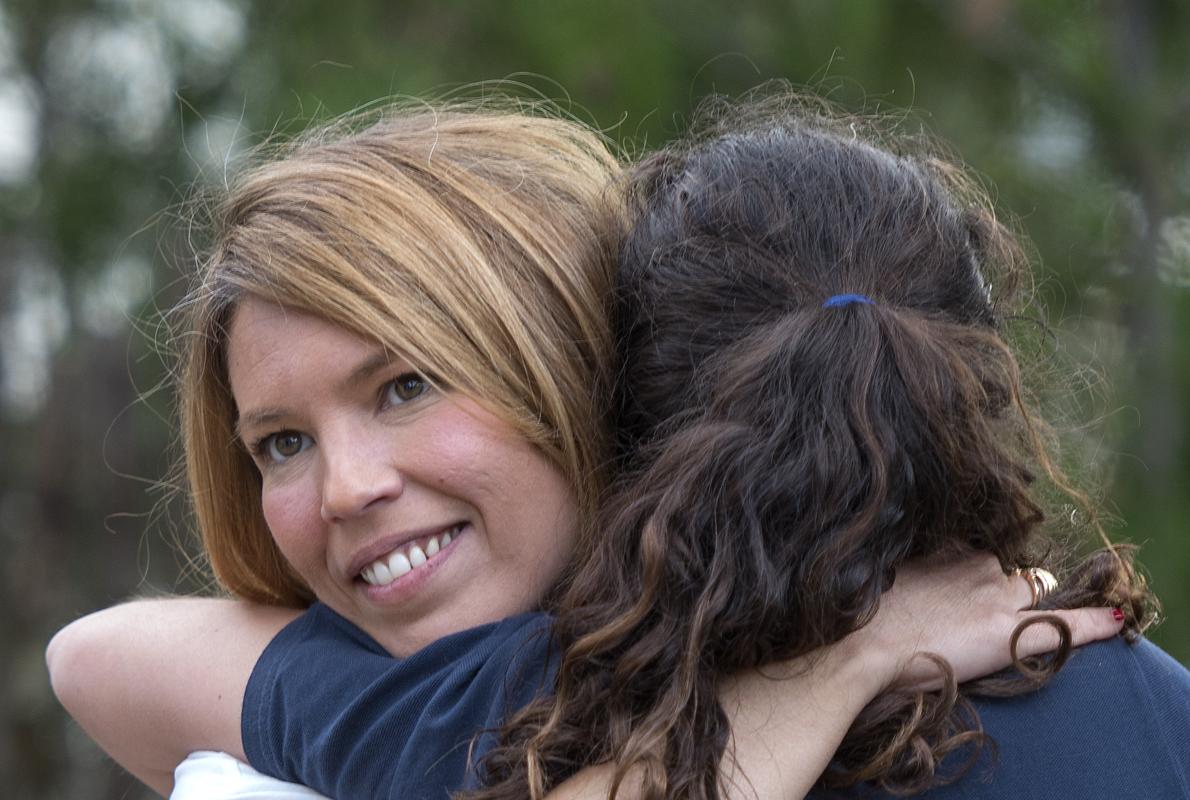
[327, 707]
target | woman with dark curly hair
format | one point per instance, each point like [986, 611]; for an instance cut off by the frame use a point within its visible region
[816, 389]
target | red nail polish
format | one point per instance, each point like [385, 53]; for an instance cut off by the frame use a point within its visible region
[1117, 615]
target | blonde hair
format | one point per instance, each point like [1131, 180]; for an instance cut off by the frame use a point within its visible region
[480, 245]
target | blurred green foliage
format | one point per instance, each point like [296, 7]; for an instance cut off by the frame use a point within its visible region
[1075, 111]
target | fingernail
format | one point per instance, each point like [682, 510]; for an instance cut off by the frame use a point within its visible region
[1117, 614]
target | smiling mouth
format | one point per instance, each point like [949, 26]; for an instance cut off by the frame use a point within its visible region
[407, 558]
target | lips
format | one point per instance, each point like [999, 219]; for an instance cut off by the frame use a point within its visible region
[410, 555]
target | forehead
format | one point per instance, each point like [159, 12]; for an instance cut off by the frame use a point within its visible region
[261, 332]
[274, 351]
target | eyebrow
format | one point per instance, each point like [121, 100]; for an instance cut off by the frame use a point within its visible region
[257, 418]
[365, 370]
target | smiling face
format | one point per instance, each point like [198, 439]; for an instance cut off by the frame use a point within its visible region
[410, 512]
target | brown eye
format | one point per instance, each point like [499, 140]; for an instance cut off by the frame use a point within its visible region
[405, 388]
[285, 445]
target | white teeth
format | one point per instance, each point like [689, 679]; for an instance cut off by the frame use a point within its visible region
[384, 571]
[399, 564]
[417, 556]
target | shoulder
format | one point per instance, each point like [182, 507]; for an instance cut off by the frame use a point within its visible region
[1113, 723]
[321, 653]
[326, 700]
[1108, 684]
[320, 629]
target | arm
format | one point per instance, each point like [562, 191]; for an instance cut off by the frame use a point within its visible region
[153, 680]
[786, 724]
[788, 719]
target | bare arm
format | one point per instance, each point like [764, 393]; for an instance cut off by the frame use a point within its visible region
[786, 724]
[153, 680]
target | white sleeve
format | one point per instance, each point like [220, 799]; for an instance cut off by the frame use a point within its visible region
[206, 775]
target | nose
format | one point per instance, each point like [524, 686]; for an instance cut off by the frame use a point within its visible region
[358, 475]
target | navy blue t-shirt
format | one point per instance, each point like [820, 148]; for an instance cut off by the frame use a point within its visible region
[1113, 724]
[326, 706]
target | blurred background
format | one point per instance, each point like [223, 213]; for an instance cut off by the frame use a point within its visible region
[112, 112]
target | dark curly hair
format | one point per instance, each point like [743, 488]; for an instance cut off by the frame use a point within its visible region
[781, 458]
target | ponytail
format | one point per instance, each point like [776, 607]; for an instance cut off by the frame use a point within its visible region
[814, 390]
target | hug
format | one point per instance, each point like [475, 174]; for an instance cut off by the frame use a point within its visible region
[528, 474]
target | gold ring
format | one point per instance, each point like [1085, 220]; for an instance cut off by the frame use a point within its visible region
[1041, 582]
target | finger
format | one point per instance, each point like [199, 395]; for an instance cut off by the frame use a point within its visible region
[1085, 624]
[1022, 591]
[1037, 582]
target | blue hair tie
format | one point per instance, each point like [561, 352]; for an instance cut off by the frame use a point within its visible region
[837, 300]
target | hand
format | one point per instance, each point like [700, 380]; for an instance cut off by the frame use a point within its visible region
[964, 611]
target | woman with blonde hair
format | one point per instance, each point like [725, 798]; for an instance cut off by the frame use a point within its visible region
[395, 409]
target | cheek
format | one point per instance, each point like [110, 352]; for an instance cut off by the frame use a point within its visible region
[460, 450]
[555, 519]
[534, 510]
[293, 515]
[526, 503]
